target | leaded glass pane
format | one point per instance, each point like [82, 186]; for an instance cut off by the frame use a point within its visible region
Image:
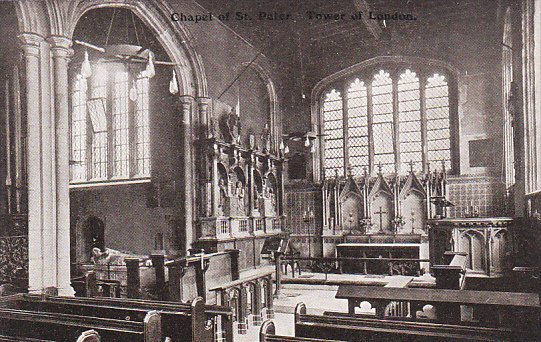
[357, 103]
[382, 117]
[409, 125]
[142, 128]
[78, 131]
[437, 122]
[121, 125]
[334, 133]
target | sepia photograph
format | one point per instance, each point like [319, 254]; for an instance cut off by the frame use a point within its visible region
[270, 170]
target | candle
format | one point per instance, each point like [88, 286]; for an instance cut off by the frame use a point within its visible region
[202, 258]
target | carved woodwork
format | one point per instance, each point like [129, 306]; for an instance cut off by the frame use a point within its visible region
[488, 243]
[243, 192]
[381, 205]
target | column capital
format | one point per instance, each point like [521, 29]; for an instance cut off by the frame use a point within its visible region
[60, 46]
[185, 99]
[30, 42]
[203, 100]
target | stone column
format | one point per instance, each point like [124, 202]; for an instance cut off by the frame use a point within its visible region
[61, 52]
[204, 122]
[186, 107]
[31, 48]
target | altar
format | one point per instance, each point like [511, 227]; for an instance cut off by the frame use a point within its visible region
[383, 251]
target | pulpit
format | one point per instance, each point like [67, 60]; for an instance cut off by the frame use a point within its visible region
[488, 243]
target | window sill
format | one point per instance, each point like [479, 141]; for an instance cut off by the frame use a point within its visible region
[109, 182]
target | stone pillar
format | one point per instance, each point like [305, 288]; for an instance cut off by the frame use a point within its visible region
[61, 51]
[186, 106]
[204, 122]
[31, 48]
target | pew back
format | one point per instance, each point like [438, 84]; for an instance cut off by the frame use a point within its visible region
[342, 327]
[178, 320]
[65, 327]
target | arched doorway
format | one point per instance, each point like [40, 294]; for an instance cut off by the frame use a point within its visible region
[90, 234]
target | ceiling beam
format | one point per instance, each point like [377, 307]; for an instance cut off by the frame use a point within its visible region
[371, 25]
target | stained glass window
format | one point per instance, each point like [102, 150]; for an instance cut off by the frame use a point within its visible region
[382, 121]
[409, 122]
[110, 135]
[333, 122]
[399, 120]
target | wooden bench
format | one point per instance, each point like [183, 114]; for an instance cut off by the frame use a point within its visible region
[346, 328]
[66, 327]
[190, 322]
[491, 308]
[267, 333]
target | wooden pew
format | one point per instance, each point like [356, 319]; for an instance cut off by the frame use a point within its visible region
[180, 321]
[346, 328]
[267, 333]
[65, 327]
[492, 308]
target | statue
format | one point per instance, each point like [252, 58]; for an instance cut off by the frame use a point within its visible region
[239, 192]
[223, 197]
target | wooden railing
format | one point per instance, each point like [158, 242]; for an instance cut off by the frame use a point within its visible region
[250, 297]
[392, 266]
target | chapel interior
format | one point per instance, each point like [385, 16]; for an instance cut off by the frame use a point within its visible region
[201, 170]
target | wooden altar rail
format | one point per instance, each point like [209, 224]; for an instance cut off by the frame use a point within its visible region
[248, 296]
[328, 264]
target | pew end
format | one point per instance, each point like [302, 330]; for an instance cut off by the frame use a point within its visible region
[267, 328]
[89, 336]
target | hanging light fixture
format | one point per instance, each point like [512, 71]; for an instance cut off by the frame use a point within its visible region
[133, 91]
[149, 70]
[282, 146]
[173, 84]
[286, 150]
[86, 69]
[306, 142]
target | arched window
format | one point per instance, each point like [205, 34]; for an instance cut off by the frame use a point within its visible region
[110, 125]
[391, 117]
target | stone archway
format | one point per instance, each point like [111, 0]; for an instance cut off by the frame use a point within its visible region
[47, 27]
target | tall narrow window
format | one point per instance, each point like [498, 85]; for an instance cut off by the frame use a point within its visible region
[110, 132]
[99, 123]
[142, 137]
[382, 121]
[78, 130]
[437, 121]
[121, 125]
[357, 103]
[507, 78]
[409, 122]
[334, 133]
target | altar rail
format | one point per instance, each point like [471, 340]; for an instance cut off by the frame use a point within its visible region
[393, 266]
